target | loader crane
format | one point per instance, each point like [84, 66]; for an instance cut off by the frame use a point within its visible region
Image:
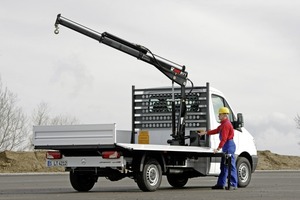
[173, 71]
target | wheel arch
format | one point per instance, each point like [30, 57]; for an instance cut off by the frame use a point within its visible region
[143, 157]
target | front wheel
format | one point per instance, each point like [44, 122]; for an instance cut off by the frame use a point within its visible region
[244, 171]
[150, 178]
[82, 182]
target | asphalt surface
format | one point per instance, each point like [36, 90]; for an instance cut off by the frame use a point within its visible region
[264, 185]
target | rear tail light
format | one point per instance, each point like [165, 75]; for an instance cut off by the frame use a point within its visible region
[111, 154]
[53, 155]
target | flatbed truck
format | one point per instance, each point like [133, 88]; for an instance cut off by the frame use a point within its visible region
[156, 146]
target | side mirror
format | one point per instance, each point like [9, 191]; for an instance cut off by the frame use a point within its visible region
[240, 120]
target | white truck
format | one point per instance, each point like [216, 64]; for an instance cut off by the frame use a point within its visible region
[156, 145]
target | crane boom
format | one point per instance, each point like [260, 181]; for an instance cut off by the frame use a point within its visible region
[174, 72]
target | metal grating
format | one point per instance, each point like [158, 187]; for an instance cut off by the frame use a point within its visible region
[152, 107]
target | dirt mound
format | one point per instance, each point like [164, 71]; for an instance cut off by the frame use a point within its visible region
[12, 162]
[20, 162]
[271, 161]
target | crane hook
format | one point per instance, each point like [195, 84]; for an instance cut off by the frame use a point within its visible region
[56, 31]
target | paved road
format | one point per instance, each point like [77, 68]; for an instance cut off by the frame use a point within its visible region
[265, 185]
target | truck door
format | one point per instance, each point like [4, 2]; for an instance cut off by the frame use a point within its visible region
[217, 103]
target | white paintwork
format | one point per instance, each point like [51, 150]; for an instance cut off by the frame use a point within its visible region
[106, 134]
[92, 134]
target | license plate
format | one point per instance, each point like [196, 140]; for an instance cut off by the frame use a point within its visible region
[57, 163]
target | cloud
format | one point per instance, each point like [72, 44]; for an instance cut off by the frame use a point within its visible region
[72, 76]
[276, 132]
[248, 49]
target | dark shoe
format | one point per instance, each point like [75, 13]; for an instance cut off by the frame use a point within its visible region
[218, 187]
[231, 188]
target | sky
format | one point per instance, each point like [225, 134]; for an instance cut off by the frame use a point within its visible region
[247, 49]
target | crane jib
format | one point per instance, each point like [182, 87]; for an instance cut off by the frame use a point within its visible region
[176, 73]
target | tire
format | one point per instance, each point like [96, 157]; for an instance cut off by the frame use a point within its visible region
[177, 180]
[244, 171]
[82, 182]
[150, 178]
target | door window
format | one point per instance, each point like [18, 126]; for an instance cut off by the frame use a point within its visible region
[219, 102]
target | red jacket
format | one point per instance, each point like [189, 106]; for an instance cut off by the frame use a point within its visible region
[225, 130]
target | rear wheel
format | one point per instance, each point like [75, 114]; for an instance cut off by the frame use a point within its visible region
[150, 177]
[82, 182]
[244, 171]
[177, 180]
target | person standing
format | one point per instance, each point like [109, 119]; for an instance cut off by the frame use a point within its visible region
[226, 134]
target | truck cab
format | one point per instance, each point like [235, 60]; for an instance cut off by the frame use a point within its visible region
[246, 152]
